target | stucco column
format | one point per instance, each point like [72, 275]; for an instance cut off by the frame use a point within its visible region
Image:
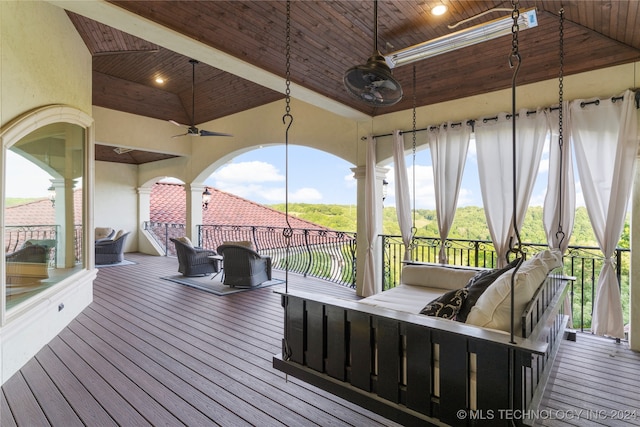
[144, 215]
[634, 269]
[194, 210]
[359, 174]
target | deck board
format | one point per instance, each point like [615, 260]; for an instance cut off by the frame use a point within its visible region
[149, 352]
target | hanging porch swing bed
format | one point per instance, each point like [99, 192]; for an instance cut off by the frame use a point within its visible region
[423, 370]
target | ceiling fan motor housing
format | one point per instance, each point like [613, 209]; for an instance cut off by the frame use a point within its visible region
[373, 82]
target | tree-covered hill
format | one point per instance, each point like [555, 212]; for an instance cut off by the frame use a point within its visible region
[469, 223]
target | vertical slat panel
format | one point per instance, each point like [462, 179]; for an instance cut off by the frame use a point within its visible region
[295, 327]
[389, 359]
[315, 336]
[523, 375]
[492, 378]
[419, 361]
[453, 376]
[336, 349]
[361, 350]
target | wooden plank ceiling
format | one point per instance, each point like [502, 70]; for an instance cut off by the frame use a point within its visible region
[329, 37]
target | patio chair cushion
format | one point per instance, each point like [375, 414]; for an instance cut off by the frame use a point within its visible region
[104, 233]
[185, 240]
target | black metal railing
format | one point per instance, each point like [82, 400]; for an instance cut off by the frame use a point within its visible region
[161, 232]
[16, 235]
[582, 262]
[331, 255]
[321, 253]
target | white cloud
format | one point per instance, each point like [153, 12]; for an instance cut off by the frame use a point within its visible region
[466, 198]
[305, 195]
[351, 181]
[246, 172]
[425, 191]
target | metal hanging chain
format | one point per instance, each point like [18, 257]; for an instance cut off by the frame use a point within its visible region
[560, 235]
[287, 119]
[515, 249]
[514, 62]
[414, 230]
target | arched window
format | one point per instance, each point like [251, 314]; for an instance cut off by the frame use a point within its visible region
[45, 205]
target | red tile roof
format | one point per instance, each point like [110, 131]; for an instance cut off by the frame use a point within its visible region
[39, 212]
[168, 205]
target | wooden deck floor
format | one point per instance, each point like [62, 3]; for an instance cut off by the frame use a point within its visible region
[152, 352]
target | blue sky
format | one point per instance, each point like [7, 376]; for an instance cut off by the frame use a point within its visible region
[314, 177]
[318, 177]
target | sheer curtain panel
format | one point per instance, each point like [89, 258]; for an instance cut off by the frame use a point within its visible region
[606, 143]
[495, 169]
[448, 144]
[403, 196]
[371, 218]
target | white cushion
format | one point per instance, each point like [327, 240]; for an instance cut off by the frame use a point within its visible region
[407, 298]
[436, 276]
[185, 240]
[119, 234]
[493, 309]
[102, 232]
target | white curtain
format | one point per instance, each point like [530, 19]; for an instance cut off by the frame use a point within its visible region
[371, 218]
[403, 197]
[495, 169]
[560, 200]
[606, 144]
[448, 145]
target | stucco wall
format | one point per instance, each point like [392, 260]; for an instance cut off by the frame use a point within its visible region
[116, 199]
[43, 60]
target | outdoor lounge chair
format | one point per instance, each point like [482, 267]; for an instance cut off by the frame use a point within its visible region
[28, 265]
[244, 267]
[194, 261]
[111, 251]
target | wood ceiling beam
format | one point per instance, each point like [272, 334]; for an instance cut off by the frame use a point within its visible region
[123, 20]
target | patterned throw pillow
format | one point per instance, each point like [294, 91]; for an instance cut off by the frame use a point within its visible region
[447, 305]
[477, 285]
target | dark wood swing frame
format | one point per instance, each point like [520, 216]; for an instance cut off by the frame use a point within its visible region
[358, 352]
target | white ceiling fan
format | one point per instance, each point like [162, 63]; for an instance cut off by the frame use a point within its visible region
[192, 130]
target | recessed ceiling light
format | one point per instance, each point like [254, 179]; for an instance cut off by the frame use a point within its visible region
[439, 9]
[159, 80]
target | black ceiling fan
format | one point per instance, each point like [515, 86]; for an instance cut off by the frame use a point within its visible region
[373, 82]
[192, 130]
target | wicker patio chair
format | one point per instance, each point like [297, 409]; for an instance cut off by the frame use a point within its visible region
[111, 251]
[244, 267]
[194, 261]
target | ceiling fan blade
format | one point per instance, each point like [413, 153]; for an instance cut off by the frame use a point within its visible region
[182, 134]
[209, 133]
[178, 124]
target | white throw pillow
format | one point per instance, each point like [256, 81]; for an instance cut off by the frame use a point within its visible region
[493, 309]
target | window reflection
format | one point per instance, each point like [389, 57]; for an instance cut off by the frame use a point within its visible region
[43, 210]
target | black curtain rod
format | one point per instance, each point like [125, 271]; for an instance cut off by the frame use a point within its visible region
[485, 120]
